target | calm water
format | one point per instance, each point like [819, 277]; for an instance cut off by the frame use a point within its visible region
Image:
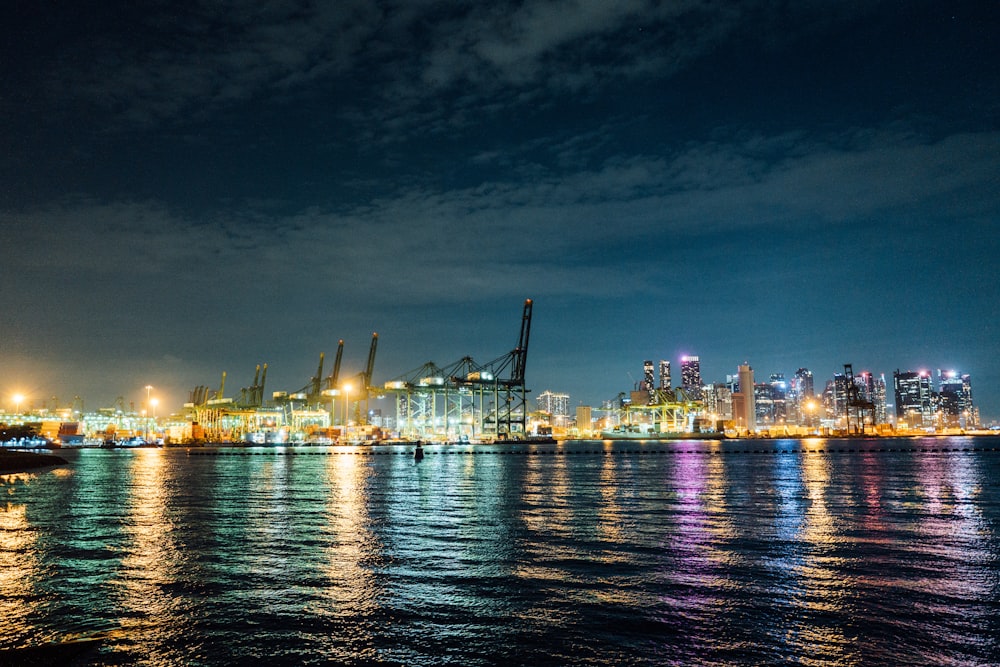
[805, 552]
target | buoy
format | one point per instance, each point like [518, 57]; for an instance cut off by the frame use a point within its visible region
[418, 453]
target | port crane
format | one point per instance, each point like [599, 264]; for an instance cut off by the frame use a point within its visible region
[487, 398]
[510, 404]
[856, 403]
[365, 380]
[331, 380]
[253, 396]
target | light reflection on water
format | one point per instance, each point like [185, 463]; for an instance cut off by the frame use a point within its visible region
[580, 553]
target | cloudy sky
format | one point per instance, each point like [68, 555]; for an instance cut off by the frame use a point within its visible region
[197, 190]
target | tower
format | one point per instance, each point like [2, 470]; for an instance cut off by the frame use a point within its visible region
[745, 403]
[647, 375]
[913, 398]
[691, 375]
[664, 374]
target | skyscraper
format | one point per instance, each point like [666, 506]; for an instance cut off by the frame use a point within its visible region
[779, 397]
[955, 398]
[691, 376]
[800, 395]
[665, 374]
[803, 383]
[878, 398]
[914, 400]
[556, 405]
[647, 376]
[744, 405]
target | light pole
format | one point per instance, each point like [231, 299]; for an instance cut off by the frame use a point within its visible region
[154, 402]
[347, 407]
[17, 403]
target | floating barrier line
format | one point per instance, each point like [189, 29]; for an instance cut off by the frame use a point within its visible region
[583, 452]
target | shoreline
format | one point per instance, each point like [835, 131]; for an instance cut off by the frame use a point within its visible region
[18, 461]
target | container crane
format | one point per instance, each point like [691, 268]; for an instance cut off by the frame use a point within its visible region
[509, 393]
[365, 377]
[334, 376]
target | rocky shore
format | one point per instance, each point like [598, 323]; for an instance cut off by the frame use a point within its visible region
[21, 461]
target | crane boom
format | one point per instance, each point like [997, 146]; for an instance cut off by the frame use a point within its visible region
[331, 381]
[521, 352]
[317, 380]
[370, 368]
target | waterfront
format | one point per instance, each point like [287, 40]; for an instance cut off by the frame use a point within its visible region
[737, 552]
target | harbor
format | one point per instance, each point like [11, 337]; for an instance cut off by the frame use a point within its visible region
[699, 552]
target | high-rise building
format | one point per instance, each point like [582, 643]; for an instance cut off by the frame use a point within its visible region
[804, 382]
[556, 405]
[955, 399]
[665, 374]
[841, 398]
[647, 376]
[779, 397]
[800, 397]
[914, 398]
[764, 403]
[718, 400]
[744, 405]
[691, 375]
[878, 398]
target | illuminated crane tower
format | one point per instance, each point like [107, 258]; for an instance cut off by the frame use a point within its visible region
[486, 400]
[856, 403]
[510, 409]
[334, 376]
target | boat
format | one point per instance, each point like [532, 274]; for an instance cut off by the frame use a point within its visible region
[632, 432]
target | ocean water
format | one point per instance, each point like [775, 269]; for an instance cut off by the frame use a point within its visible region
[811, 552]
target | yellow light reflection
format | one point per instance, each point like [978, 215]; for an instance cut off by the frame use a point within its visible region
[153, 561]
[352, 552]
[546, 513]
[823, 588]
[18, 565]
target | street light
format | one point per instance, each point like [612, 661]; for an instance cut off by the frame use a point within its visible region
[17, 403]
[153, 402]
[347, 405]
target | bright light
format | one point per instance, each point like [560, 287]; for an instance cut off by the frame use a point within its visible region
[17, 402]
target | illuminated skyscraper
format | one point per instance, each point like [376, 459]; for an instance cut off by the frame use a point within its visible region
[800, 394]
[556, 405]
[779, 397]
[803, 383]
[691, 376]
[914, 398]
[878, 398]
[955, 399]
[664, 374]
[744, 405]
[718, 400]
[763, 394]
[647, 376]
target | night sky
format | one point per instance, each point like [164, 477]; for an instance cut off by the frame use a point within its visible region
[186, 191]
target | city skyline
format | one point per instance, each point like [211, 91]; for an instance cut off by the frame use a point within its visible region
[801, 383]
[191, 190]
